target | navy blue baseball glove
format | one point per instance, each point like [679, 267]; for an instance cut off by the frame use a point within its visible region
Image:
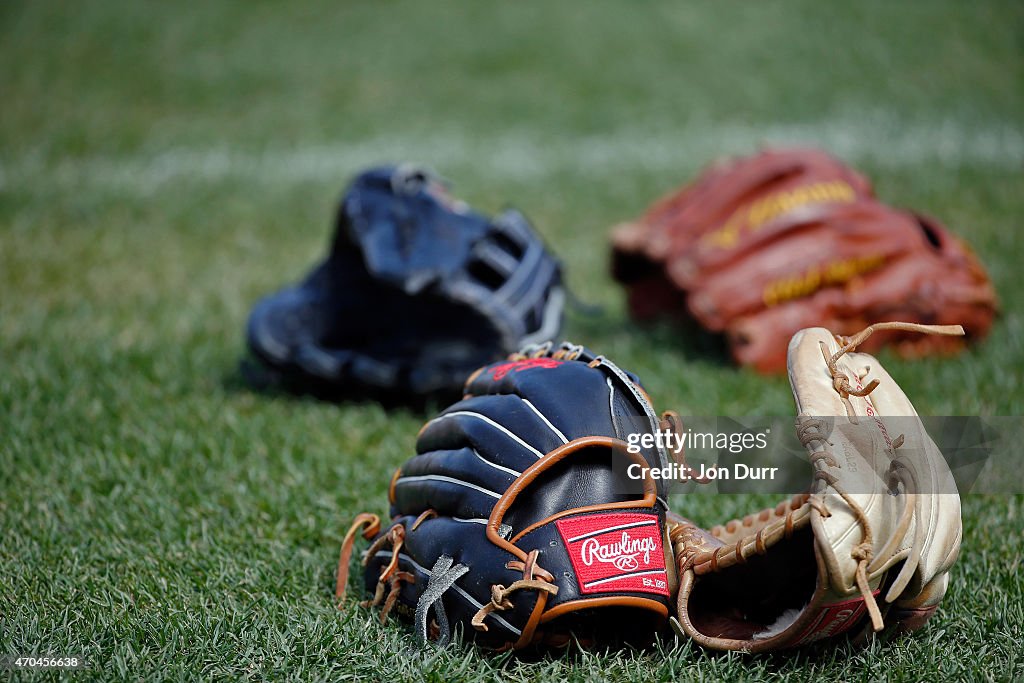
[418, 291]
[525, 518]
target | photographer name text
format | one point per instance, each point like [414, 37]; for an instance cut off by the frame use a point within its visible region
[702, 472]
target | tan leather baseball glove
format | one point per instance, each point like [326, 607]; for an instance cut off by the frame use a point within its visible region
[868, 548]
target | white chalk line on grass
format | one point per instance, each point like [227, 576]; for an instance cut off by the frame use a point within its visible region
[881, 140]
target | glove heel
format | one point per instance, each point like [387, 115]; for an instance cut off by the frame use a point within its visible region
[910, 614]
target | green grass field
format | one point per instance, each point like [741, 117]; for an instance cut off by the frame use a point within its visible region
[162, 169]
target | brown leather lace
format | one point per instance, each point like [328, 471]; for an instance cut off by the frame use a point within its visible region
[867, 560]
[371, 526]
[863, 552]
[390, 575]
[841, 381]
[785, 510]
[395, 581]
[534, 578]
[567, 351]
[688, 543]
[429, 513]
[396, 537]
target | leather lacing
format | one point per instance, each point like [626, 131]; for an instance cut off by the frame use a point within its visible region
[390, 575]
[534, 578]
[783, 510]
[566, 351]
[808, 431]
[841, 381]
[691, 547]
[442, 576]
[688, 543]
[370, 524]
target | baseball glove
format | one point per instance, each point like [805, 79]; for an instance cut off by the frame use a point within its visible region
[728, 201]
[869, 547]
[518, 522]
[417, 292]
[785, 240]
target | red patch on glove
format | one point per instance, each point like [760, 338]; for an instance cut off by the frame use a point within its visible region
[616, 552]
[498, 372]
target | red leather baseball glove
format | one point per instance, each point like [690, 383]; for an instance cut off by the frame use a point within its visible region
[761, 247]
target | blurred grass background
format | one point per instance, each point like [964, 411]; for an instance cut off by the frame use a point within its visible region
[160, 169]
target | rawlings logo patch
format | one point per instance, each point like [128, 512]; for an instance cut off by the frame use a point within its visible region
[499, 371]
[621, 553]
[616, 552]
